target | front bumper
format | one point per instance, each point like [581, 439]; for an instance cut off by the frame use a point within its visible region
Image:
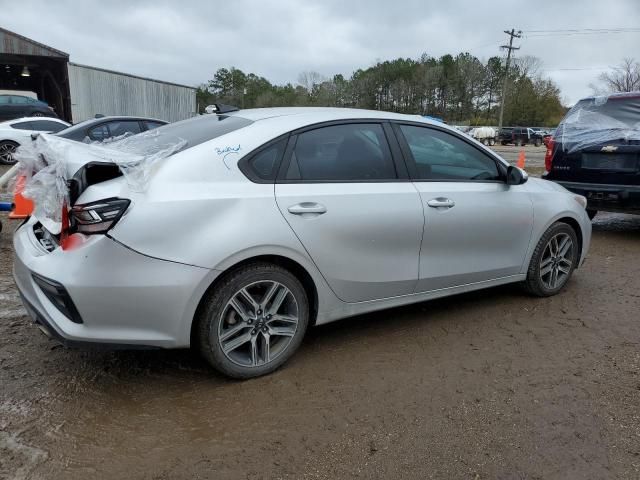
[607, 197]
[124, 298]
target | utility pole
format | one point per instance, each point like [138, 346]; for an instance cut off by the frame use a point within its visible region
[512, 34]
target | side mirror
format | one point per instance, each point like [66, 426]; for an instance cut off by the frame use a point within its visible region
[516, 176]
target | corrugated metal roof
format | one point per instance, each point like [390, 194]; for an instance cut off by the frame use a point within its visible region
[12, 43]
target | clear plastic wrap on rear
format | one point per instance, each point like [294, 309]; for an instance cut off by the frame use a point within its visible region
[48, 162]
[597, 121]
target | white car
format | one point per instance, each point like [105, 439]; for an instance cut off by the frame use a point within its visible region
[268, 221]
[14, 133]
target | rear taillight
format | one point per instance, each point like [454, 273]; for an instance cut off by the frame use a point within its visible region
[97, 217]
[548, 157]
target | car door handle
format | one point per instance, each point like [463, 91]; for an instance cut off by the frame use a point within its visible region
[441, 202]
[307, 207]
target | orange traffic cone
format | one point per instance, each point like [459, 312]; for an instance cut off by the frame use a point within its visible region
[23, 206]
[520, 163]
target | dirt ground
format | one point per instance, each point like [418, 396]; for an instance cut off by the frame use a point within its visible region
[493, 384]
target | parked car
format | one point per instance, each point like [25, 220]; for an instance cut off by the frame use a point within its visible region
[269, 221]
[15, 132]
[595, 152]
[17, 106]
[103, 128]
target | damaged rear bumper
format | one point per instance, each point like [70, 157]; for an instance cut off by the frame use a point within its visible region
[123, 299]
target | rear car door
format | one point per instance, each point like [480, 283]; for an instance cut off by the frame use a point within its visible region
[348, 199]
[477, 227]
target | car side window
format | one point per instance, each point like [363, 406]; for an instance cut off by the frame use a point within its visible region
[99, 133]
[4, 100]
[442, 156]
[18, 100]
[23, 126]
[350, 152]
[47, 126]
[264, 163]
[152, 125]
[119, 128]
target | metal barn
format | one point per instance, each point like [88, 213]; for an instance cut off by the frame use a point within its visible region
[78, 92]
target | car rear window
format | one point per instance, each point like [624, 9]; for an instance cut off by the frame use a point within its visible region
[194, 131]
[622, 109]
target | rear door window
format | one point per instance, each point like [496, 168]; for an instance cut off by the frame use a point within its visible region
[344, 153]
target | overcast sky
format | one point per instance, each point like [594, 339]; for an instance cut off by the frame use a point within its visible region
[187, 41]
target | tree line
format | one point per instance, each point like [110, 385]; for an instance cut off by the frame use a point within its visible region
[459, 89]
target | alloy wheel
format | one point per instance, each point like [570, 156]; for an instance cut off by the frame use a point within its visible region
[258, 323]
[6, 153]
[556, 261]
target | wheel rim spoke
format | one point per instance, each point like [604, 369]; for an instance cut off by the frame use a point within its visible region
[544, 271]
[283, 318]
[277, 302]
[247, 297]
[231, 345]
[239, 308]
[287, 331]
[233, 331]
[258, 323]
[254, 351]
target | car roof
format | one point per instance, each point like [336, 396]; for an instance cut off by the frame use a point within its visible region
[326, 113]
[300, 117]
[8, 123]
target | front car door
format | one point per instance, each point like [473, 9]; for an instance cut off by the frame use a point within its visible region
[477, 228]
[349, 201]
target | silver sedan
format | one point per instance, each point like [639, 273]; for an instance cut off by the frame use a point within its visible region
[266, 222]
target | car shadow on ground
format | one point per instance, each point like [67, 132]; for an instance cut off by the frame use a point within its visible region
[123, 366]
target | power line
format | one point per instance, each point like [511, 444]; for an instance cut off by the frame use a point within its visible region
[594, 30]
[512, 34]
[577, 32]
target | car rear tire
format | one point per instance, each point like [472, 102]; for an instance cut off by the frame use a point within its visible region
[553, 261]
[253, 321]
[7, 149]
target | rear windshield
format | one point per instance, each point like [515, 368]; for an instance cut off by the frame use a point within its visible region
[620, 111]
[193, 131]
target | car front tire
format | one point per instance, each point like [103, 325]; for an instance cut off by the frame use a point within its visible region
[553, 261]
[253, 321]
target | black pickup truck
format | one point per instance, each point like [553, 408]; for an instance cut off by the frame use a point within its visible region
[595, 152]
[520, 136]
